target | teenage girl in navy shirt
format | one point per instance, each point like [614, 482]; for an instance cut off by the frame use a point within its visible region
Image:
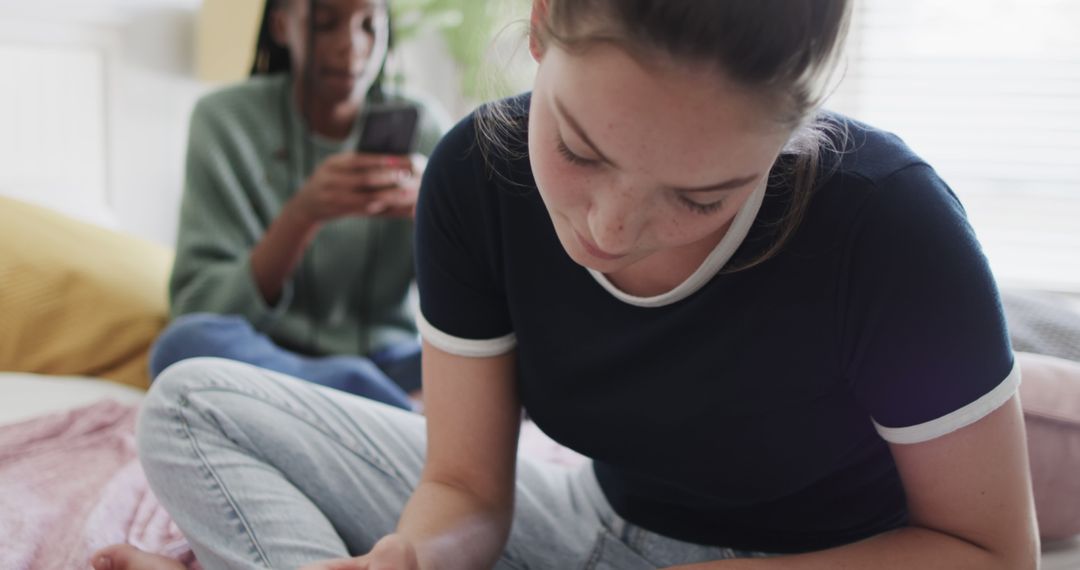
[770, 328]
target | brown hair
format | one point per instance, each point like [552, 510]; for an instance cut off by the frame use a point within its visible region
[784, 50]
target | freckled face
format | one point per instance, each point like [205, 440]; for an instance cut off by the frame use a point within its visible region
[638, 161]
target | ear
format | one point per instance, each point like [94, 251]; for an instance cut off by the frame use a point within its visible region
[539, 15]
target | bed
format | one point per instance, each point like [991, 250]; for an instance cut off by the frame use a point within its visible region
[90, 302]
[70, 481]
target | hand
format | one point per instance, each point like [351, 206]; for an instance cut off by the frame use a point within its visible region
[393, 552]
[351, 184]
[401, 201]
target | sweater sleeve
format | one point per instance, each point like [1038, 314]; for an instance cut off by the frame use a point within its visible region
[218, 227]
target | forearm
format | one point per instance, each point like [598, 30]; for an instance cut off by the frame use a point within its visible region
[902, 549]
[452, 529]
[280, 250]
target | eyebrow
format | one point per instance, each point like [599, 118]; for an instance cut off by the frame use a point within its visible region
[732, 184]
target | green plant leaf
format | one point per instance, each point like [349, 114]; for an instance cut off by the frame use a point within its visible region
[468, 27]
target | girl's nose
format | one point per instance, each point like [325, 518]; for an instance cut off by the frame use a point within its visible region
[616, 219]
[353, 38]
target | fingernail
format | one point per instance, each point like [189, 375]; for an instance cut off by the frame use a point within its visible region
[103, 563]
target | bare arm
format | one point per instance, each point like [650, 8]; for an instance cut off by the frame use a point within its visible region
[970, 504]
[276, 255]
[347, 184]
[459, 515]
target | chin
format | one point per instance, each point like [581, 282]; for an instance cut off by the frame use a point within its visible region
[333, 93]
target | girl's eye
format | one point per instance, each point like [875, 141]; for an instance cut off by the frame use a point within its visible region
[700, 208]
[572, 158]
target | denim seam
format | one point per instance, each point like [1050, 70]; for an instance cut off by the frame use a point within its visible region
[374, 462]
[387, 468]
[507, 558]
[597, 551]
[256, 546]
[368, 458]
[512, 561]
[635, 538]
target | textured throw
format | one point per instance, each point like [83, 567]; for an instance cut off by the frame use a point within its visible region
[70, 483]
[1042, 323]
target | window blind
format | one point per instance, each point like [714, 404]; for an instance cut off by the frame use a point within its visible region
[988, 92]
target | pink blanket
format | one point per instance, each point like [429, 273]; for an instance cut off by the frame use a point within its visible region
[70, 483]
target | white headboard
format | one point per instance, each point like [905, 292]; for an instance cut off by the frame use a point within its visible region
[94, 108]
[53, 118]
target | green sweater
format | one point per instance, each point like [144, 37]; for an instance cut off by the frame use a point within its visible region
[349, 295]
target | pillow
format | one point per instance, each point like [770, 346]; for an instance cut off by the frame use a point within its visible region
[1050, 396]
[1042, 323]
[24, 396]
[77, 299]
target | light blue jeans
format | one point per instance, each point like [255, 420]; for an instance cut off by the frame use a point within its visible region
[261, 470]
[386, 376]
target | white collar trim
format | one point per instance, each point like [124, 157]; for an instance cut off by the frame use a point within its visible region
[712, 265]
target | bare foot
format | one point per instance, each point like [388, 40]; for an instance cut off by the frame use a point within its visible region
[127, 557]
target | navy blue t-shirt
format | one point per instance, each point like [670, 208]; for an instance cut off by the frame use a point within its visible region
[748, 409]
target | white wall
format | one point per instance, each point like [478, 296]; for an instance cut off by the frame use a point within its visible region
[152, 93]
[991, 99]
[147, 49]
[430, 70]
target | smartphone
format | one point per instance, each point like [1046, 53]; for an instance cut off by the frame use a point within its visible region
[389, 128]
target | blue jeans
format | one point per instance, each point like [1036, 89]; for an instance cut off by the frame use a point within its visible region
[385, 377]
[260, 470]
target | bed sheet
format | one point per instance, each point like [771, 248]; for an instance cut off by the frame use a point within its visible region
[113, 503]
[23, 396]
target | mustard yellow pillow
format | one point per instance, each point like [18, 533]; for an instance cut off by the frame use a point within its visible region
[76, 299]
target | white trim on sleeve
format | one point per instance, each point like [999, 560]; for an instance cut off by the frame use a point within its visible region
[470, 348]
[963, 417]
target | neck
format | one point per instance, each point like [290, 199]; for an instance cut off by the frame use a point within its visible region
[331, 119]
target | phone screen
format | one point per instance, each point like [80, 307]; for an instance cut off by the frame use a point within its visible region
[389, 129]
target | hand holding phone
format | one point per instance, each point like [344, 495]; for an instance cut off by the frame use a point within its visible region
[381, 177]
[351, 184]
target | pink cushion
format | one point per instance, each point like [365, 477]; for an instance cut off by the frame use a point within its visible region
[1050, 395]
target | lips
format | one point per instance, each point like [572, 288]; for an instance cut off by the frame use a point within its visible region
[593, 250]
[341, 75]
